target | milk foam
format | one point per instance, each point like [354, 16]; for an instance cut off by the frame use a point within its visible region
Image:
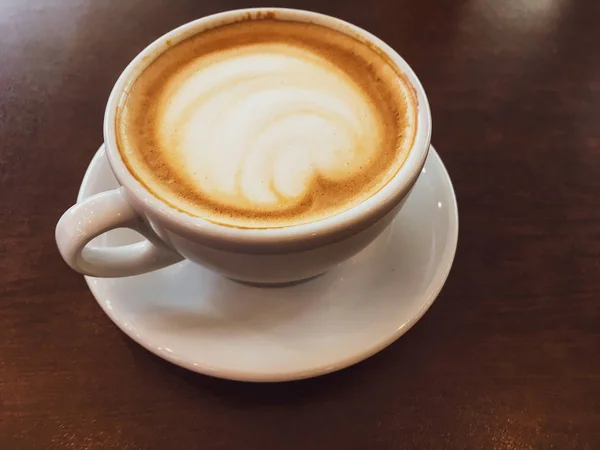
[268, 133]
[256, 128]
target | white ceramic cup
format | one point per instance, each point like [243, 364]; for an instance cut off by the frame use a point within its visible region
[278, 255]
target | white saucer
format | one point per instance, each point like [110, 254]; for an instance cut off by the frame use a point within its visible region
[211, 325]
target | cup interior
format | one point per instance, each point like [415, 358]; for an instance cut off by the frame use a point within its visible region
[310, 234]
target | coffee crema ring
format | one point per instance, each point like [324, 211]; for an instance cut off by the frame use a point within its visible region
[267, 124]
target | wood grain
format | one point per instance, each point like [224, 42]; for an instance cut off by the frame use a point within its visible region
[507, 358]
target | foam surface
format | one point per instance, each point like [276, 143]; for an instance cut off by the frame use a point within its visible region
[267, 123]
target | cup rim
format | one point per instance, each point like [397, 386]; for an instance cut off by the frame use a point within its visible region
[305, 235]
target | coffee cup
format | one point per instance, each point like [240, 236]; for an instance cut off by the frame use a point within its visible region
[284, 253]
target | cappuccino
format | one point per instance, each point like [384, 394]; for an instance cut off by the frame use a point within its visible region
[267, 123]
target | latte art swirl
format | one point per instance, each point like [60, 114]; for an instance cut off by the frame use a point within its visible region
[258, 129]
[257, 125]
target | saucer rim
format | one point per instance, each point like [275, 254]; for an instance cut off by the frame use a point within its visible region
[446, 262]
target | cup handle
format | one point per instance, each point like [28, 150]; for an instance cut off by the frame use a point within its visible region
[101, 213]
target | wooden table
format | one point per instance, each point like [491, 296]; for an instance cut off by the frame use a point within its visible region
[507, 358]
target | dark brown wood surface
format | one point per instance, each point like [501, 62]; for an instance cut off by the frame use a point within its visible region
[507, 358]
